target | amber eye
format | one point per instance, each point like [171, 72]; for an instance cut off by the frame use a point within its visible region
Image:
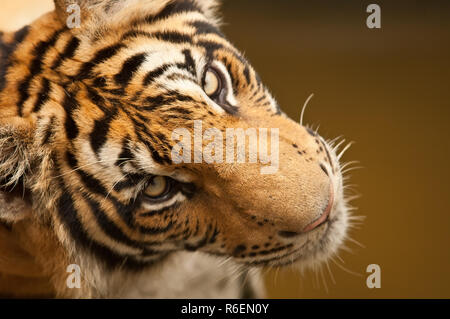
[158, 187]
[212, 82]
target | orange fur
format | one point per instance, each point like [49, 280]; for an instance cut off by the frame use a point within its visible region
[77, 100]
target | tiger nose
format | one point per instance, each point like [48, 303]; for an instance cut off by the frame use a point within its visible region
[325, 214]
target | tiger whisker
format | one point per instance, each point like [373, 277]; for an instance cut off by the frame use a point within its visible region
[343, 166]
[90, 164]
[323, 279]
[114, 185]
[344, 268]
[344, 150]
[351, 169]
[333, 141]
[355, 242]
[357, 217]
[330, 272]
[336, 147]
[304, 107]
[348, 199]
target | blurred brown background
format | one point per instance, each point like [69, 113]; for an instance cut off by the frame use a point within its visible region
[386, 89]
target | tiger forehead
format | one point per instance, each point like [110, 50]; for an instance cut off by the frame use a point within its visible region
[147, 56]
[163, 37]
[151, 54]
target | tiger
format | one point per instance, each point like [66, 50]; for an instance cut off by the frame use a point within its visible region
[87, 173]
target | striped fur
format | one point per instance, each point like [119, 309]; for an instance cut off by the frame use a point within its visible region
[86, 120]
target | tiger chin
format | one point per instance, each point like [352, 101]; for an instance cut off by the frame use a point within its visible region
[87, 115]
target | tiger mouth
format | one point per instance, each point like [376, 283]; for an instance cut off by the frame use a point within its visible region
[305, 247]
[324, 217]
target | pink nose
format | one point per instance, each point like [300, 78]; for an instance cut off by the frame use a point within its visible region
[324, 217]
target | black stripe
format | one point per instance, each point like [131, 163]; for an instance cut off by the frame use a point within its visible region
[100, 57]
[163, 142]
[197, 228]
[160, 159]
[125, 155]
[140, 129]
[129, 67]
[43, 95]
[210, 47]
[178, 117]
[247, 74]
[48, 132]
[40, 51]
[189, 63]
[20, 35]
[96, 98]
[71, 160]
[119, 91]
[35, 68]
[6, 50]
[70, 105]
[256, 92]
[174, 7]
[214, 235]
[234, 80]
[201, 243]
[99, 134]
[156, 230]
[135, 34]
[173, 37]
[159, 212]
[69, 52]
[179, 110]
[69, 217]
[166, 99]
[169, 36]
[96, 187]
[262, 98]
[152, 75]
[111, 229]
[270, 251]
[158, 100]
[99, 82]
[91, 183]
[273, 259]
[130, 180]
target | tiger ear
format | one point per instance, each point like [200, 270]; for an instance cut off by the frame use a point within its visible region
[73, 11]
[16, 157]
[210, 9]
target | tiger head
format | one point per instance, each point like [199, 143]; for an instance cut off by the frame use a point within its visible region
[102, 106]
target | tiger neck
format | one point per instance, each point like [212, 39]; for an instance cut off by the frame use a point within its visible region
[20, 274]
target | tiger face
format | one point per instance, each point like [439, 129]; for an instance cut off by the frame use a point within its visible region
[91, 112]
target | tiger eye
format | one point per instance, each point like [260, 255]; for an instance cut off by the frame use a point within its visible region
[157, 187]
[212, 83]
